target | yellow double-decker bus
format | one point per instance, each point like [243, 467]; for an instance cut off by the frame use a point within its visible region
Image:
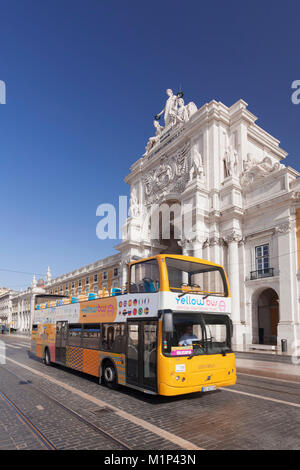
[169, 334]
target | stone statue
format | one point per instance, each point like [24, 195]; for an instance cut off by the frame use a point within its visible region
[182, 112]
[197, 166]
[153, 140]
[170, 109]
[253, 170]
[249, 163]
[134, 209]
[266, 165]
[230, 160]
[191, 108]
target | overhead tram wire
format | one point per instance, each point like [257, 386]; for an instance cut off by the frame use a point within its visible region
[20, 272]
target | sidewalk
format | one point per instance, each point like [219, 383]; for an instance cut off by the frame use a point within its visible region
[271, 369]
[16, 335]
[264, 356]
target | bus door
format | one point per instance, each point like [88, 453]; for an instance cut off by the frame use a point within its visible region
[61, 341]
[141, 369]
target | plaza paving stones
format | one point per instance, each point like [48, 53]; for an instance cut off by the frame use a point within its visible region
[216, 420]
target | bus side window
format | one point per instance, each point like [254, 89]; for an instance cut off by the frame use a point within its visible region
[144, 277]
[74, 337]
[34, 327]
[91, 336]
[113, 338]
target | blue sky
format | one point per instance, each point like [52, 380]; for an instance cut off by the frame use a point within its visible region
[84, 79]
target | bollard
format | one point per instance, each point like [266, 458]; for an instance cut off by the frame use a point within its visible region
[284, 345]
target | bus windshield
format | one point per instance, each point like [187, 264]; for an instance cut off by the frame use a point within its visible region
[196, 334]
[190, 276]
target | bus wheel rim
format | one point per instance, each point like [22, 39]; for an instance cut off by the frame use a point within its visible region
[108, 374]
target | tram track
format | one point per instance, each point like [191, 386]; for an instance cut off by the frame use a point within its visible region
[38, 433]
[28, 423]
[269, 389]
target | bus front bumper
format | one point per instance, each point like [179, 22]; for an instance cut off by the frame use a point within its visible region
[168, 390]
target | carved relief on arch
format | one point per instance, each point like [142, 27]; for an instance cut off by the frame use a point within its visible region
[171, 175]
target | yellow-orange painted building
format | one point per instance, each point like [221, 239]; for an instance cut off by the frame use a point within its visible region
[100, 275]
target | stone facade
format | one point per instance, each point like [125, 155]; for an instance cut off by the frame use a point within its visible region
[5, 306]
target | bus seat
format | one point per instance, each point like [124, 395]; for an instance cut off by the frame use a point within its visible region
[149, 286]
[133, 288]
[141, 287]
[116, 291]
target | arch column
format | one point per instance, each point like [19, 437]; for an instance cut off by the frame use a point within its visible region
[288, 288]
[233, 240]
[124, 273]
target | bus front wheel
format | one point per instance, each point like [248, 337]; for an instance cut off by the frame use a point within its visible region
[109, 375]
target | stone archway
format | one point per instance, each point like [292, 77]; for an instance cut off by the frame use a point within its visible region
[169, 216]
[265, 316]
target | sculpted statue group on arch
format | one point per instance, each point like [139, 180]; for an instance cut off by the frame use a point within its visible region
[175, 112]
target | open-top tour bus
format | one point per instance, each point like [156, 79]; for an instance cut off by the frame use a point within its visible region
[169, 334]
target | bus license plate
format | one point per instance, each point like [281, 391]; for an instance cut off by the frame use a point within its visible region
[210, 388]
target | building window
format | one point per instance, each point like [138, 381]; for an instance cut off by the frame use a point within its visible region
[105, 275]
[79, 283]
[116, 272]
[87, 281]
[73, 285]
[262, 259]
[67, 286]
[61, 288]
[96, 278]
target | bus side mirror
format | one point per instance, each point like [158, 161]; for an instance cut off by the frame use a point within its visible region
[168, 322]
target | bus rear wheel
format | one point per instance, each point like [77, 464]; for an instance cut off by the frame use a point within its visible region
[47, 360]
[109, 375]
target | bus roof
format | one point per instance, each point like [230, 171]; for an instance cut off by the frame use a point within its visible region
[179, 257]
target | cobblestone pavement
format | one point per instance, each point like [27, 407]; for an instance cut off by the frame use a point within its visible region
[257, 413]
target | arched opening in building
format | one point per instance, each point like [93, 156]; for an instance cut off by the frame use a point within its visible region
[267, 319]
[169, 221]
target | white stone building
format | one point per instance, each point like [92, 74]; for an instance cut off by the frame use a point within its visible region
[23, 304]
[245, 211]
[5, 306]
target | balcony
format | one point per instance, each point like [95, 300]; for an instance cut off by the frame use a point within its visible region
[266, 272]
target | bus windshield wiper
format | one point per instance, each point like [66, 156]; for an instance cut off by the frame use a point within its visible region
[191, 355]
